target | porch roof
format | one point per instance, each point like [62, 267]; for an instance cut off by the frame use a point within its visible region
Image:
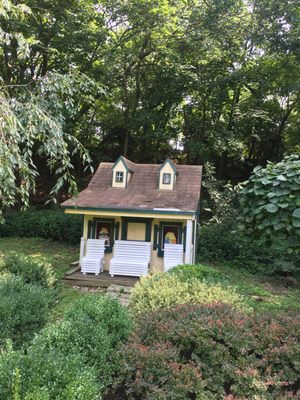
[141, 193]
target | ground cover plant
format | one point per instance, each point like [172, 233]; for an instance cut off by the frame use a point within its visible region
[211, 352]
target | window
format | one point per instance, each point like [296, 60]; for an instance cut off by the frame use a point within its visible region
[166, 179]
[105, 229]
[170, 235]
[119, 176]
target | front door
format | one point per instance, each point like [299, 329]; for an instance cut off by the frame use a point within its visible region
[136, 231]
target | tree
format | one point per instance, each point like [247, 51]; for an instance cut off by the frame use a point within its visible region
[33, 117]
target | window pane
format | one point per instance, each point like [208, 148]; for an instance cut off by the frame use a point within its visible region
[166, 179]
[170, 235]
[119, 176]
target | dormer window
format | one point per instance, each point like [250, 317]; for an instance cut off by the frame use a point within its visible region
[166, 179]
[119, 176]
[122, 171]
[167, 175]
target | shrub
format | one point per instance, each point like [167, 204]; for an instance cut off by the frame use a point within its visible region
[165, 290]
[211, 352]
[70, 359]
[93, 327]
[31, 270]
[218, 243]
[200, 272]
[48, 224]
[24, 309]
[46, 376]
[271, 202]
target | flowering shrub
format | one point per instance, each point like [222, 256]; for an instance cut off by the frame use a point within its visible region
[168, 289]
[212, 352]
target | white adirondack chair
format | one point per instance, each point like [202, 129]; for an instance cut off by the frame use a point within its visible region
[130, 258]
[173, 255]
[92, 262]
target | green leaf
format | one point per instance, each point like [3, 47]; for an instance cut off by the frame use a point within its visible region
[271, 208]
[296, 213]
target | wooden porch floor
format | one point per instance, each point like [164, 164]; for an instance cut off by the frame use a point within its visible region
[76, 278]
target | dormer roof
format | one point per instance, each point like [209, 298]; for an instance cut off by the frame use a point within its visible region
[170, 162]
[129, 165]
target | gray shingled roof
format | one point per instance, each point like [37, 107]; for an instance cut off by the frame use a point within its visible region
[142, 191]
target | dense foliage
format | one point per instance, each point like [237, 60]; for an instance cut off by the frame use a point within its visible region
[24, 310]
[70, 359]
[243, 251]
[201, 81]
[48, 224]
[211, 352]
[168, 289]
[270, 203]
[30, 269]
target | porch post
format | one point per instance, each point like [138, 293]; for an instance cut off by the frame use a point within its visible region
[82, 245]
[189, 239]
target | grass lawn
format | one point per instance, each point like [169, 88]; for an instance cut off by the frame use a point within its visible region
[262, 293]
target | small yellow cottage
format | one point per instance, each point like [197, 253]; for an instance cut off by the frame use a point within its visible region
[141, 203]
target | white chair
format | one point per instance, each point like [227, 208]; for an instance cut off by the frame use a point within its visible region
[130, 258]
[92, 262]
[173, 255]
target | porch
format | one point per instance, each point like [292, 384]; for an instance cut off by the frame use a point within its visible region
[103, 280]
[156, 231]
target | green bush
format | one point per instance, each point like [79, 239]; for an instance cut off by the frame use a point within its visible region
[30, 269]
[48, 224]
[93, 327]
[211, 352]
[218, 243]
[163, 290]
[24, 309]
[70, 359]
[270, 203]
[200, 272]
[46, 376]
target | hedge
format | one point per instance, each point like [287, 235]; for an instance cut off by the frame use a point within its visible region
[48, 224]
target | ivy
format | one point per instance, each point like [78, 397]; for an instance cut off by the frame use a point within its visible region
[271, 203]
